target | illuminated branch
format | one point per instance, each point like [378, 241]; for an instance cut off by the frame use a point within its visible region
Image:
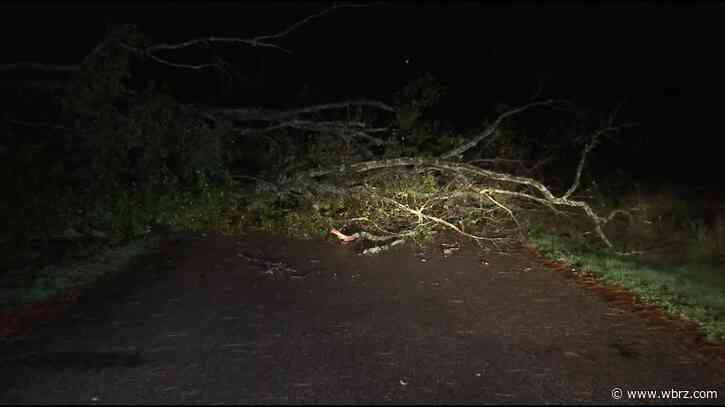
[545, 196]
[419, 213]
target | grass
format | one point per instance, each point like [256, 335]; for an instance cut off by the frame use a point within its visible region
[50, 282]
[685, 276]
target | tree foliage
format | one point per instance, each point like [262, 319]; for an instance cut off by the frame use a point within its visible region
[139, 136]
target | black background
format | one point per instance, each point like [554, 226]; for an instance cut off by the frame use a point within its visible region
[662, 63]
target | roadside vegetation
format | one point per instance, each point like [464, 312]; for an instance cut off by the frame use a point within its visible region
[669, 253]
[128, 161]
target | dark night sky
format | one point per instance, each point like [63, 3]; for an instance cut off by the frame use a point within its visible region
[662, 62]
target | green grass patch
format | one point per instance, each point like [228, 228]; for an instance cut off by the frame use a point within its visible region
[693, 291]
[52, 281]
[202, 207]
[126, 218]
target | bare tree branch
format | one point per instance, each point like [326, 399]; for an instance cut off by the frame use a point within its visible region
[304, 21]
[70, 68]
[38, 66]
[258, 41]
[343, 129]
[151, 51]
[270, 115]
[588, 148]
[509, 211]
[493, 127]
[146, 53]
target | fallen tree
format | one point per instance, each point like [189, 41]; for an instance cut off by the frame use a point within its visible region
[472, 181]
[353, 152]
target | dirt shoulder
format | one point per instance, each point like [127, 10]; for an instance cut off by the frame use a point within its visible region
[265, 319]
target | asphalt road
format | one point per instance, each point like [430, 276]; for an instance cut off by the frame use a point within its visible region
[262, 319]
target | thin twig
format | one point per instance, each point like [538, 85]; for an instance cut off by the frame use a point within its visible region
[511, 214]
